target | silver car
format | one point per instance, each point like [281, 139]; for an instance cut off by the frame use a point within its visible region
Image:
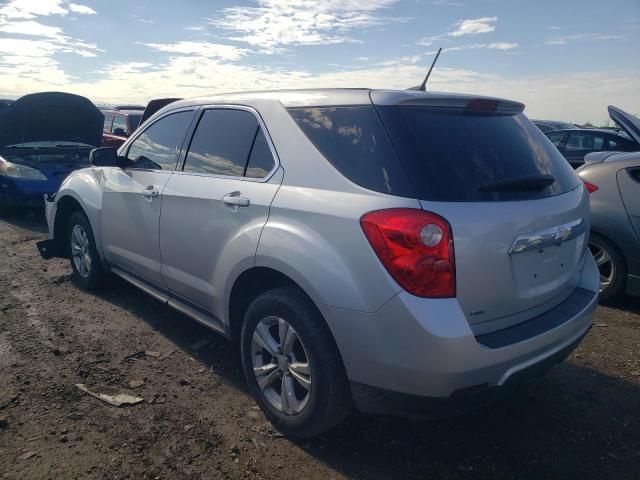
[613, 179]
[401, 251]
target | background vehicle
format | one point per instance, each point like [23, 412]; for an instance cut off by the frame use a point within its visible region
[119, 123]
[551, 125]
[613, 178]
[575, 144]
[43, 138]
[385, 269]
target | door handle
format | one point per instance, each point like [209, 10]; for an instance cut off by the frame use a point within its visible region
[150, 192]
[234, 199]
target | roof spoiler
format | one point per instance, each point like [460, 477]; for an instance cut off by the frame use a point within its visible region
[467, 103]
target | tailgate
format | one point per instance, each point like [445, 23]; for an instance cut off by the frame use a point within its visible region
[516, 259]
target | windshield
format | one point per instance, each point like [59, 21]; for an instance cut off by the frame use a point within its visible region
[449, 154]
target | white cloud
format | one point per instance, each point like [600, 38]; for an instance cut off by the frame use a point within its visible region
[277, 23]
[553, 27]
[563, 40]
[203, 49]
[81, 9]
[502, 45]
[29, 27]
[474, 26]
[576, 97]
[32, 8]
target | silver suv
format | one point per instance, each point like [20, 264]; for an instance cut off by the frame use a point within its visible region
[400, 251]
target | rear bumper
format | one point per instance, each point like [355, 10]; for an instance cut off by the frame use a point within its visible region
[426, 348]
[375, 400]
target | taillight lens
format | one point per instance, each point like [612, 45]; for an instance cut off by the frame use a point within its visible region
[590, 186]
[416, 248]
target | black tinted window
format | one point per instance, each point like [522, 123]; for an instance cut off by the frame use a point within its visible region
[134, 121]
[450, 154]
[261, 160]
[222, 142]
[621, 144]
[354, 141]
[158, 146]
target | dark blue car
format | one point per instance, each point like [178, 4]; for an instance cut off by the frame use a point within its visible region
[43, 138]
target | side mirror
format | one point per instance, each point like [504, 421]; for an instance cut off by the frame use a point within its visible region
[107, 157]
[120, 132]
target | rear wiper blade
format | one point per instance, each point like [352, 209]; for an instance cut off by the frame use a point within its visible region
[531, 182]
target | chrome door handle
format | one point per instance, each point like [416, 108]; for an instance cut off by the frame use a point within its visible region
[150, 192]
[235, 200]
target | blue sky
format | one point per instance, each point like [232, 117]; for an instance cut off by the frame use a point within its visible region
[565, 59]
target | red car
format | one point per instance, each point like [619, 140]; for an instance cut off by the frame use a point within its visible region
[119, 123]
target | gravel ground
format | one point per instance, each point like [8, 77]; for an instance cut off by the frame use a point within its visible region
[582, 420]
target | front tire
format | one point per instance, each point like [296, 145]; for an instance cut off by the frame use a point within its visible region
[611, 266]
[292, 364]
[85, 262]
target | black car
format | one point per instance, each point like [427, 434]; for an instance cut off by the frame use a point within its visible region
[552, 125]
[575, 143]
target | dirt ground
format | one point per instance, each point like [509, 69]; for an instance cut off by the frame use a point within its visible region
[580, 421]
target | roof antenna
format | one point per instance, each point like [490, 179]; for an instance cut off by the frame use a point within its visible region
[423, 86]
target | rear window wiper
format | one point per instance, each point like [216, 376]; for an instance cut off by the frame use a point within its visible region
[530, 182]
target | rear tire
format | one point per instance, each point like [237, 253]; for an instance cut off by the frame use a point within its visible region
[304, 389]
[85, 262]
[611, 265]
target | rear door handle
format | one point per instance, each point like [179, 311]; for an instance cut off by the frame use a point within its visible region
[150, 192]
[234, 199]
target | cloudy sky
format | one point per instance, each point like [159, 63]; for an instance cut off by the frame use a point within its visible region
[566, 59]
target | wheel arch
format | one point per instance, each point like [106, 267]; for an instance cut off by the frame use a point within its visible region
[247, 286]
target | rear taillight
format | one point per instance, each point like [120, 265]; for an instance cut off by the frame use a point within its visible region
[590, 186]
[416, 248]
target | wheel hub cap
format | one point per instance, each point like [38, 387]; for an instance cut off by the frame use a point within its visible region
[281, 365]
[605, 264]
[80, 251]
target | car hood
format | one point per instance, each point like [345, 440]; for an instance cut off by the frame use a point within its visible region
[51, 116]
[629, 123]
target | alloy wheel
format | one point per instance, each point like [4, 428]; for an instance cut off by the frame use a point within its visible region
[605, 264]
[80, 251]
[281, 365]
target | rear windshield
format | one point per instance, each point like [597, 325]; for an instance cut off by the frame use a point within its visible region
[444, 154]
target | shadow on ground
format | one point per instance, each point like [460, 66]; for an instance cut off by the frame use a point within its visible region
[574, 423]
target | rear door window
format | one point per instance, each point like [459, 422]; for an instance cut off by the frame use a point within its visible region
[222, 142]
[354, 141]
[452, 154]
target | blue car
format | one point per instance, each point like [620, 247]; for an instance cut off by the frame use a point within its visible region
[43, 138]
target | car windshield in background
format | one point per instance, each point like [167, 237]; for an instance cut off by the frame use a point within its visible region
[453, 155]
